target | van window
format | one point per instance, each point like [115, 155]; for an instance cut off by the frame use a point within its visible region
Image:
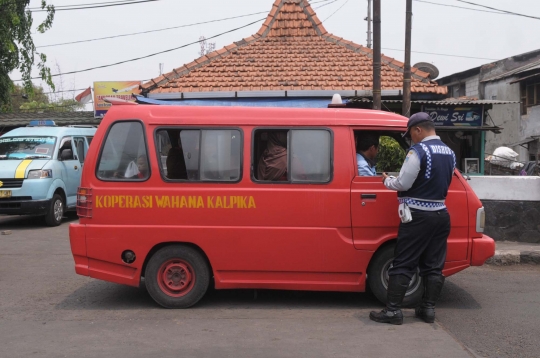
[200, 154]
[124, 155]
[391, 152]
[292, 155]
[81, 148]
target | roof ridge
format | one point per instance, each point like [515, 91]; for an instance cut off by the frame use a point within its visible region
[288, 19]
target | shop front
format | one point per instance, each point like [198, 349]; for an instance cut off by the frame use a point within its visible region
[461, 124]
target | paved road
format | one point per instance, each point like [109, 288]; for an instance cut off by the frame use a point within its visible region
[46, 310]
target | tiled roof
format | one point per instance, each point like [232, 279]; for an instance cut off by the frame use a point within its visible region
[60, 118]
[291, 51]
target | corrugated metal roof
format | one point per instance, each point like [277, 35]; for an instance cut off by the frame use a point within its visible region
[441, 102]
[528, 67]
[60, 118]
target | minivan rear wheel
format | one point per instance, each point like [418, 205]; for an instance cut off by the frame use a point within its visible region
[56, 211]
[177, 276]
[378, 278]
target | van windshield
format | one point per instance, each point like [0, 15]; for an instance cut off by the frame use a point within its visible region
[17, 148]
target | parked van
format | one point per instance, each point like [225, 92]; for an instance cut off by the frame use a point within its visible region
[40, 169]
[255, 198]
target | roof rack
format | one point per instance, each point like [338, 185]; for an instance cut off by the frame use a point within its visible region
[81, 126]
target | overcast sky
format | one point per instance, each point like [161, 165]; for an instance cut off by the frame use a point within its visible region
[436, 29]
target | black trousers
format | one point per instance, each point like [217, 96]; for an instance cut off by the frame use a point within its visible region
[421, 243]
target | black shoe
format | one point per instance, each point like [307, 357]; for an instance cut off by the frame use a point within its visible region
[433, 285]
[386, 316]
[397, 287]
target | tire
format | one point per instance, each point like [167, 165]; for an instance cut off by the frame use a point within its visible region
[378, 278]
[56, 211]
[177, 276]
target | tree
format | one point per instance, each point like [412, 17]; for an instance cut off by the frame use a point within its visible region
[17, 49]
[391, 155]
[41, 101]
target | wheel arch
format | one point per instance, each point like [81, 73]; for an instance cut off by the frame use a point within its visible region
[379, 249]
[161, 245]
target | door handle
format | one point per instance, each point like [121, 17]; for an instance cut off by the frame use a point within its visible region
[368, 196]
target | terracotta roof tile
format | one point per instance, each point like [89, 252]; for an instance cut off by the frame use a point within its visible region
[291, 51]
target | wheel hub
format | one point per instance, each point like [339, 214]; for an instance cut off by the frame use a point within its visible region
[176, 277]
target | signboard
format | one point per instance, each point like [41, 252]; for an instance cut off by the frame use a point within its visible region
[119, 89]
[456, 116]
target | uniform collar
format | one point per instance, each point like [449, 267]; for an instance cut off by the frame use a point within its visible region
[431, 137]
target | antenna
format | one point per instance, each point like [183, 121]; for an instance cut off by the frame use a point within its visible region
[206, 47]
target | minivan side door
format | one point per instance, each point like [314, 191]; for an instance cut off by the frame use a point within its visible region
[71, 169]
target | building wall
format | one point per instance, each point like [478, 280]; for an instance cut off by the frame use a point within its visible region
[512, 206]
[530, 126]
[471, 86]
[506, 116]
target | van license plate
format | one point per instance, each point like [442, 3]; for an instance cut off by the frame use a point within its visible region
[5, 193]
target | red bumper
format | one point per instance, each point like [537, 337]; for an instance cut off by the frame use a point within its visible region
[482, 249]
[77, 239]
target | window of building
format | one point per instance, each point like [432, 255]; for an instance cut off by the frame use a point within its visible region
[292, 155]
[124, 155]
[200, 154]
[532, 94]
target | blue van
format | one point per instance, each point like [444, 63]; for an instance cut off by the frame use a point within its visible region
[40, 169]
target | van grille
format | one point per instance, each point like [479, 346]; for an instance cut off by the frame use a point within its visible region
[11, 183]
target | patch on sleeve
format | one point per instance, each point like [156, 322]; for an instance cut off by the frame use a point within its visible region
[411, 152]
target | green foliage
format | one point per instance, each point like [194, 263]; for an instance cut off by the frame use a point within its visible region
[391, 155]
[39, 101]
[17, 50]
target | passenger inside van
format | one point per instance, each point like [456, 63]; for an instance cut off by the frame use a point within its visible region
[176, 164]
[272, 165]
[367, 147]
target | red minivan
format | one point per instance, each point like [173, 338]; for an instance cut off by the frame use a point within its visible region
[265, 198]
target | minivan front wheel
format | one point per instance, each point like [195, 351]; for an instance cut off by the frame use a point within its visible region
[378, 278]
[177, 276]
[56, 211]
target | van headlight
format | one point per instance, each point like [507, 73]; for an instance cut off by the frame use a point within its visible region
[480, 219]
[40, 174]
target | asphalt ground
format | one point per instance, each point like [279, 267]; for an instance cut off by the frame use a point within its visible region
[46, 310]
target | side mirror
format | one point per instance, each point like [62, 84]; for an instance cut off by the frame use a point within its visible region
[66, 154]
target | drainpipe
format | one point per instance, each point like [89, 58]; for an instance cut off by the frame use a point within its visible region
[406, 109]
[377, 54]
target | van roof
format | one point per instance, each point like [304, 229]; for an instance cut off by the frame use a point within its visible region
[263, 116]
[49, 131]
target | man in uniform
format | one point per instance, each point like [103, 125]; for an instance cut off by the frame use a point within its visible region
[422, 186]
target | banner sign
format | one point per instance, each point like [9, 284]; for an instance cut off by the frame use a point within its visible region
[456, 116]
[120, 89]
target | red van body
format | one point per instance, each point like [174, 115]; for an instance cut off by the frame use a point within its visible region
[291, 236]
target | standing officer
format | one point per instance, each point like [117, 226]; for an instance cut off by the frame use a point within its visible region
[422, 186]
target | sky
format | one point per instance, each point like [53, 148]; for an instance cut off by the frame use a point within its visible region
[482, 36]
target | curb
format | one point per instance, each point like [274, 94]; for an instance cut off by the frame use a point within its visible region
[514, 257]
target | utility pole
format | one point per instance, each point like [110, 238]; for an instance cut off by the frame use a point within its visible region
[406, 109]
[377, 54]
[368, 19]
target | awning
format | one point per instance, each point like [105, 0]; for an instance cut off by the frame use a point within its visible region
[493, 129]
[524, 78]
[524, 141]
[243, 102]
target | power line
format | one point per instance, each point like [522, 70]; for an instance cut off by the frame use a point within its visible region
[91, 4]
[97, 6]
[492, 8]
[336, 11]
[170, 28]
[444, 54]
[461, 7]
[150, 31]
[147, 56]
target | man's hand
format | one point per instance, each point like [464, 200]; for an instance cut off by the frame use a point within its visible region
[384, 176]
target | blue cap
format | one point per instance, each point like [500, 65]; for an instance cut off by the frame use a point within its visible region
[416, 119]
